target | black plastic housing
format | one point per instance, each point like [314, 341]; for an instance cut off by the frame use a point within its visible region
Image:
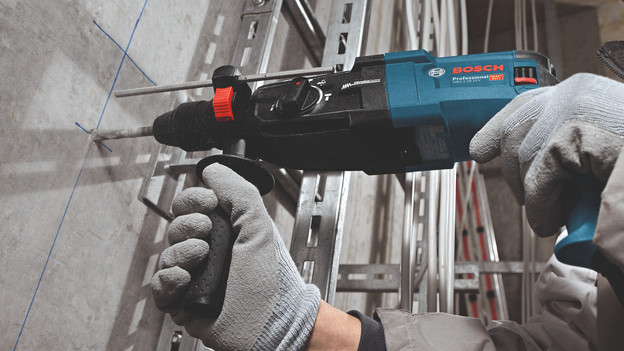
[348, 126]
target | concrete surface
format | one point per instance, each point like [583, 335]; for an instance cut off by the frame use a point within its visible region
[78, 248]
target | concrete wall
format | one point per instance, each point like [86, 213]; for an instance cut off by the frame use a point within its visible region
[78, 248]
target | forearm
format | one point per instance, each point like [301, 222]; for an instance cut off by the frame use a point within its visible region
[334, 330]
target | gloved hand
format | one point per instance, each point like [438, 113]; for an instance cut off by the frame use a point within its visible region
[551, 137]
[267, 305]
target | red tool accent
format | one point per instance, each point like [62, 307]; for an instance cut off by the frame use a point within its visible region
[222, 104]
[525, 80]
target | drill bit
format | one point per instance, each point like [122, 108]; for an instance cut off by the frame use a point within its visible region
[97, 136]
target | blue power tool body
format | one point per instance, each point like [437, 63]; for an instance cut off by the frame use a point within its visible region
[447, 100]
[393, 113]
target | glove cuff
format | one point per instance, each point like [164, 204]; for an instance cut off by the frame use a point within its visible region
[292, 321]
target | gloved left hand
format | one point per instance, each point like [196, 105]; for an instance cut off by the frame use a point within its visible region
[550, 138]
[267, 305]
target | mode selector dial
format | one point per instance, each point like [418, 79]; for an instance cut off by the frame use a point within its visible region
[525, 75]
[298, 97]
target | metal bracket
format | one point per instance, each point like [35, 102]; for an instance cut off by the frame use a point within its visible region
[368, 278]
[387, 278]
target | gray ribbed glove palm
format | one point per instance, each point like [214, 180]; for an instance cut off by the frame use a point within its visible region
[549, 138]
[267, 305]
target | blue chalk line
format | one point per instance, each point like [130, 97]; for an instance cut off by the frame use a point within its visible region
[77, 179]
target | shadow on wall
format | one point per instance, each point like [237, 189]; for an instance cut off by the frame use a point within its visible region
[52, 79]
[138, 322]
[36, 170]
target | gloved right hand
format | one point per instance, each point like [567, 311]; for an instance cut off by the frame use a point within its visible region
[551, 137]
[267, 305]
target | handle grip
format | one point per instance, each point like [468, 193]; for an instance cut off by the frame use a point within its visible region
[206, 293]
[577, 248]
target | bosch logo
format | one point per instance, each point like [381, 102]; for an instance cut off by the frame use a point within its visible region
[477, 69]
[437, 72]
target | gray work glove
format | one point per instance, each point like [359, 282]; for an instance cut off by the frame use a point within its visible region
[551, 137]
[267, 305]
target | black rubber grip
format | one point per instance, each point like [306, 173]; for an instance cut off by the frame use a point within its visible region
[206, 293]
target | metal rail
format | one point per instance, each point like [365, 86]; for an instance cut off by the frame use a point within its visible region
[309, 28]
[408, 248]
[408, 242]
[318, 229]
[386, 277]
[440, 197]
[491, 246]
[446, 244]
[479, 243]
[251, 55]
[433, 184]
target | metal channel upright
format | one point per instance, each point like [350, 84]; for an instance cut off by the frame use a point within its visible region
[439, 196]
[479, 244]
[251, 55]
[319, 221]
